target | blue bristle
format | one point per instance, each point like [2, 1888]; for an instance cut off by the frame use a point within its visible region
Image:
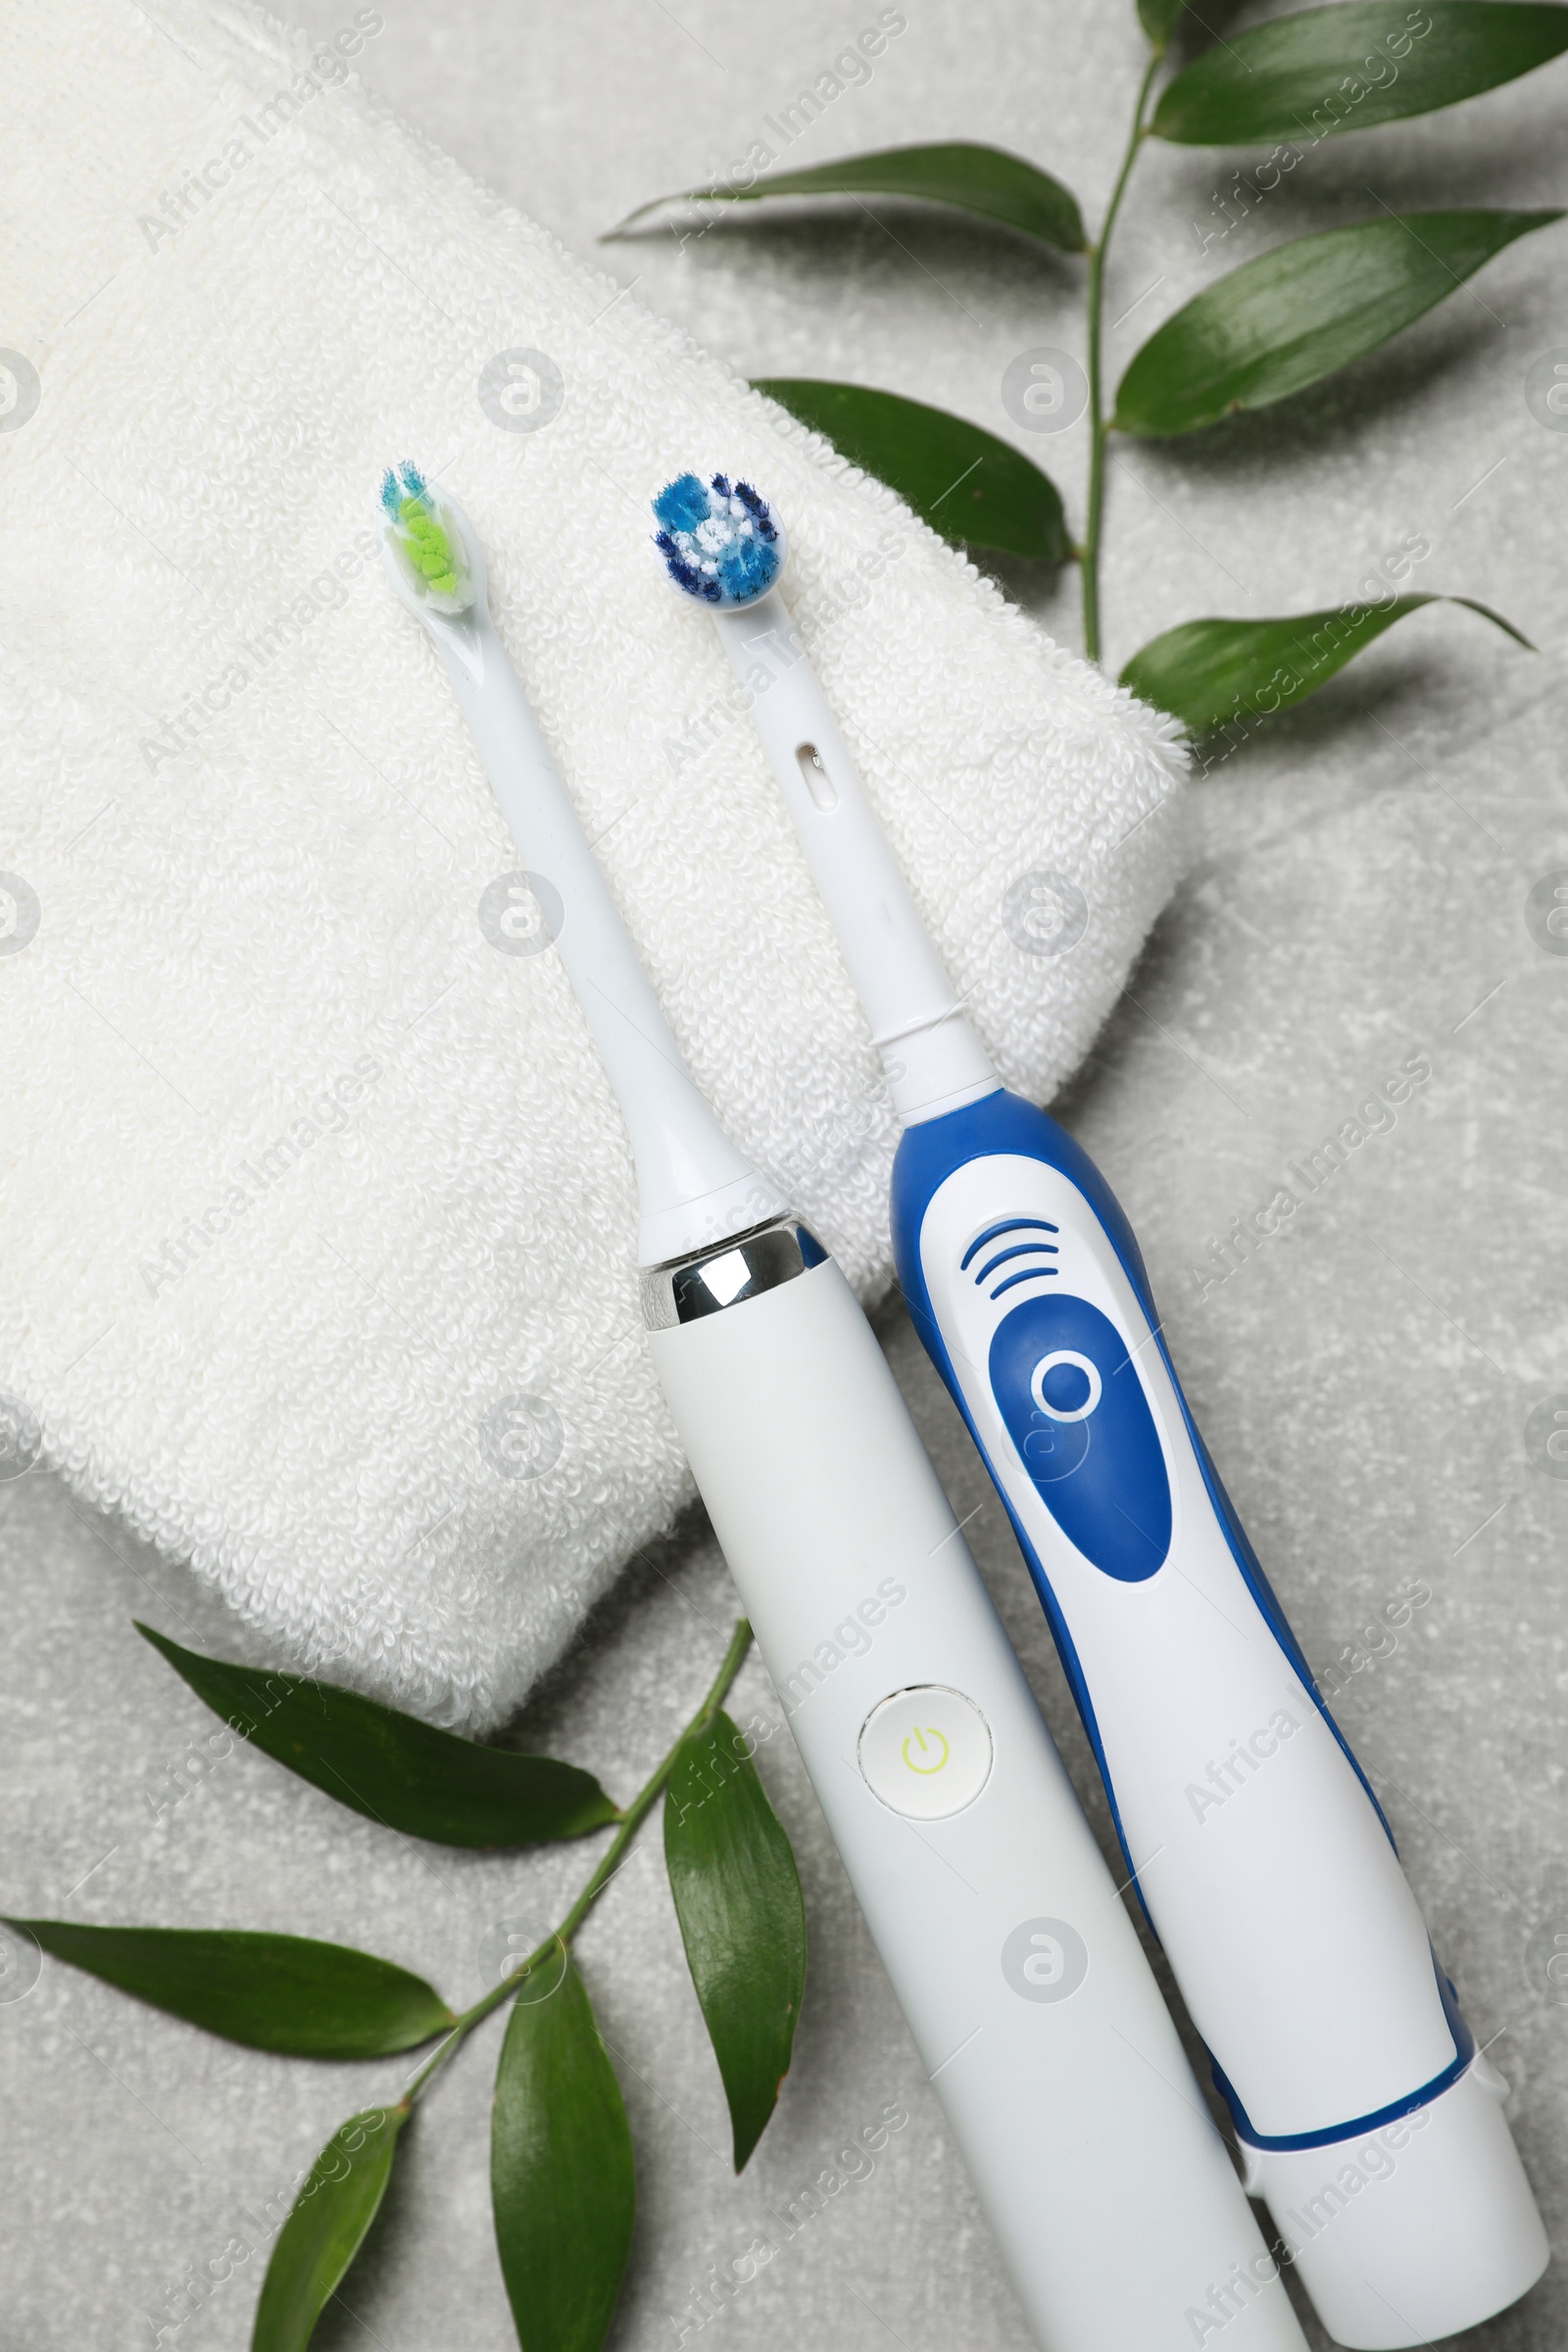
[682, 504]
[720, 541]
[758, 508]
[400, 482]
[745, 569]
[680, 571]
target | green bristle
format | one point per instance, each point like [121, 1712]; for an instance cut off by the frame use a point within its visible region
[430, 549]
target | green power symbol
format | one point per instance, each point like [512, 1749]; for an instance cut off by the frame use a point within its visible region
[920, 1739]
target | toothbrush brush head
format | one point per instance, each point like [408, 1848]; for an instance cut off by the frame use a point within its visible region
[424, 537]
[721, 540]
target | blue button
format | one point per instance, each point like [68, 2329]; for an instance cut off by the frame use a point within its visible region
[1066, 1385]
[1074, 1406]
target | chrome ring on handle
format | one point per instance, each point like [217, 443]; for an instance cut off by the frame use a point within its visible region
[722, 1276]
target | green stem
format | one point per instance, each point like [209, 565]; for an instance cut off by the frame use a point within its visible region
[631, 1820]
[609, 1863]
[1099, 425]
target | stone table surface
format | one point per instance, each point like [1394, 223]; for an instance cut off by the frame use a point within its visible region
[1376, 1379]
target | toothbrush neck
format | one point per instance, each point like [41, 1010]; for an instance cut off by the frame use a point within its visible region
[932, 1059]
[694, 1186]
[936, 1069]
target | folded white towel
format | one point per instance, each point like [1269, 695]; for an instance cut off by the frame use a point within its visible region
[317, 1217]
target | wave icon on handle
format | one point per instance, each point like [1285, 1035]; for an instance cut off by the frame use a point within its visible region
[1010, 1234]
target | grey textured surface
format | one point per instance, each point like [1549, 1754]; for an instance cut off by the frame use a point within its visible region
[1365, 1379]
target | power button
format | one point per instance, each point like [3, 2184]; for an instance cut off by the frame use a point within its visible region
[926, 1752]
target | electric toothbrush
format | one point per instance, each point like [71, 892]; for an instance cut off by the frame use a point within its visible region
[1366, 2117]
[1018, 1968]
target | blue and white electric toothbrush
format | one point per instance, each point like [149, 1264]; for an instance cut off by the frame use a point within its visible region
[1366, 2117]
[1018, 1970]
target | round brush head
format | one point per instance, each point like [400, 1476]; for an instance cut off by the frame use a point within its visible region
[719, 539]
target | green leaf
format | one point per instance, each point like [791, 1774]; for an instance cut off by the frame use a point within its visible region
[1206, 673]
[1348, 67]
[742, 1919]
[391, 1767]
[562, 2177]
[286, 1994]
[1302, 310]
[973, 178]
[326, 2228]
[964, 482]
[1159, 18]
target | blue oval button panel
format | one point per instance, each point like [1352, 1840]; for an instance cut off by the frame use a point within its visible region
[1100, 1472]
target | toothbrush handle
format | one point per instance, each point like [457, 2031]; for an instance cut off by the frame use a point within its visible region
[1260, 1853]
[1017, 1965]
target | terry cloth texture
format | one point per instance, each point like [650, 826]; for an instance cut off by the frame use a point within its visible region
[317, 1217]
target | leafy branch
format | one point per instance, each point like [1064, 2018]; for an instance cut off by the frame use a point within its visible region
[1099, 424]
[1262, 334]
[563, 2173]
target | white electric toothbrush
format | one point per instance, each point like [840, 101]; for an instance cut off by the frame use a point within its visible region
[1018, 1970]
[1368, 2119]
